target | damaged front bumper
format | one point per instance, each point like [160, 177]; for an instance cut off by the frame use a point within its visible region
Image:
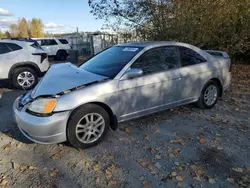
[42, 130]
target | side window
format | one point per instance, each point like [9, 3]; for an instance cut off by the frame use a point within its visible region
[14, 47]
[48, 42]
[63, 41]
[156, 60]
[53, 42]
[190, 57]
[43, 42]
[4, 48]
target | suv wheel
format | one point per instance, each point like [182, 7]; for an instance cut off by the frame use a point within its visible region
[61, 55]
[88, 126]
[209, 95]
[24, 78]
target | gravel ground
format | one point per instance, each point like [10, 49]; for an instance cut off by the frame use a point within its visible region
[181, 147]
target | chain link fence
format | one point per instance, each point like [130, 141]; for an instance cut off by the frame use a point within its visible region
[88, 44]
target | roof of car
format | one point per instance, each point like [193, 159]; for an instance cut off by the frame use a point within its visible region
[47, 38]
[149, 43]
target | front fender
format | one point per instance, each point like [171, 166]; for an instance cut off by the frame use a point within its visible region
[106, 93]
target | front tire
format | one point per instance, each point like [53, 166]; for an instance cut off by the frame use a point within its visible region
[209, 95]
[87, 126]
[24, 78]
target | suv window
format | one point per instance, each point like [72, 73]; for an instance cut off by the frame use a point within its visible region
[157, 59]
[14, 47]
[190, 57]
[63, 41]
[4, 48]
[48, 42]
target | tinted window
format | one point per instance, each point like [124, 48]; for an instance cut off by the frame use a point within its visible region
[158, 59]
[190, 57]
[111, 61]
[48, 42]
[4, 48]
[14, 47]
[63, 41]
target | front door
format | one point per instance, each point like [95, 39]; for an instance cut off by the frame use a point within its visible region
[143, 95]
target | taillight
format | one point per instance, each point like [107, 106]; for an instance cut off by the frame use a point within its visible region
[43, 56]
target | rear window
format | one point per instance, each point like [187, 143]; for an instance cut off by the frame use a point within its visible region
[4, 48]
[63, 41]
[14, 47]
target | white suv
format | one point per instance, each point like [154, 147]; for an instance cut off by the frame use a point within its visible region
[22, 61]
[57, 48]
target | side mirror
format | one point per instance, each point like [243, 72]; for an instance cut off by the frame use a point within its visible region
[132, 73]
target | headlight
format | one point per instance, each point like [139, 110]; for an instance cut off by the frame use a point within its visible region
[43, 106]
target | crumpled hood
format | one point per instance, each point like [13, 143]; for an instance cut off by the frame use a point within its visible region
[62, 77]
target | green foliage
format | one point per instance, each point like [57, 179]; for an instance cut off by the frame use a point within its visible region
[210, 24]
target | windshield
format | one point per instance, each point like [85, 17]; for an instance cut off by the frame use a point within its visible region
[111, 61]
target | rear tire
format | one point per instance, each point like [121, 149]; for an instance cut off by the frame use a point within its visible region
[61, 55]
[209, 95]
[24, 78]
[83, 130]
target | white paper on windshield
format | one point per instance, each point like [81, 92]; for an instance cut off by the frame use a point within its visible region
[127, 49]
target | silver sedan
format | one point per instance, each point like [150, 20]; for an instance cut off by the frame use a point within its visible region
[80, 104]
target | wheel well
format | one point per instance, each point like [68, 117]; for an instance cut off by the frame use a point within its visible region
[220, 85]
[21, 65]
[61, 50]
[113, 119]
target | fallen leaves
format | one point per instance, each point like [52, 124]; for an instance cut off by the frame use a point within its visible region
[174, 152]
[179, 141]
[112, 182]
[96, 167]
[157, 157]
[173, 174]
[4, 182]
[144, 181]
[33, 167]
[230, 180]
[201, 139]
[179, 178]
[86, 163]
[198, 173]
[237, 169]
[127, 130]
[142, 162]
[19, 145]
[156, 131]
[6, 147]
[108, 172]
[55, 156]
[146, 138]
[211, 181]
[54, 172]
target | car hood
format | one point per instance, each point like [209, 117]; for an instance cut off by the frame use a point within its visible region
[62, 77]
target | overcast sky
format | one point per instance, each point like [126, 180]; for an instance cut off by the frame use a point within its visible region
[58, 15]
